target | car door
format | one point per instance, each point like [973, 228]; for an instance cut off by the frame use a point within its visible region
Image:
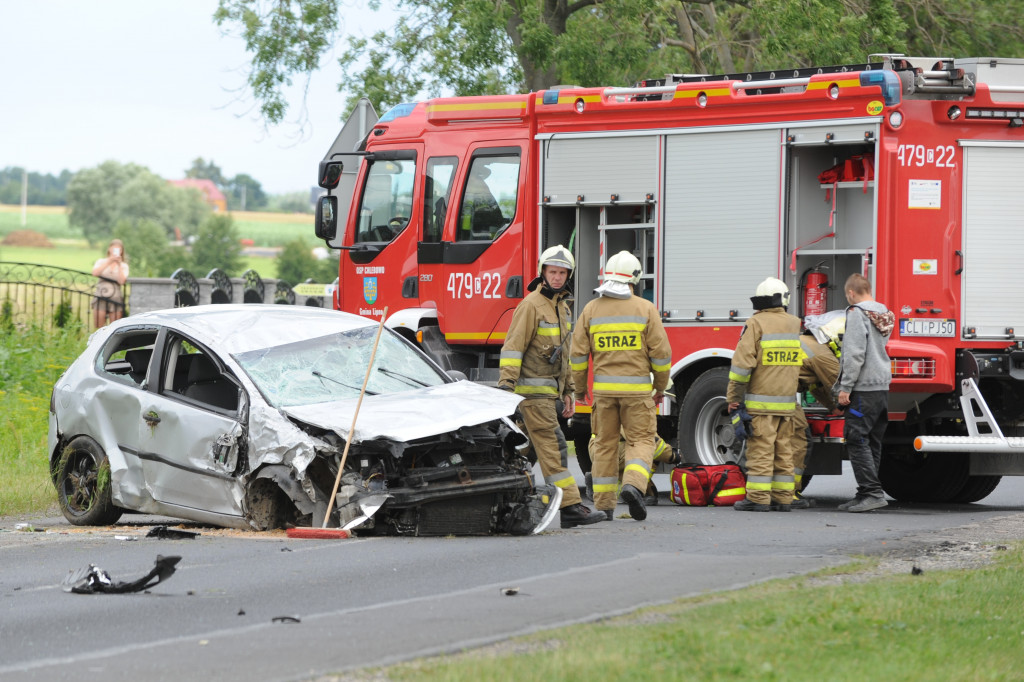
[192, 428]
[118, 392]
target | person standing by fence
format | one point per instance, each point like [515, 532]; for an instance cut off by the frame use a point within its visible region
[108, 298]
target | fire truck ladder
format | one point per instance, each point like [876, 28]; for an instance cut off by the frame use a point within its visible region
[976, 413]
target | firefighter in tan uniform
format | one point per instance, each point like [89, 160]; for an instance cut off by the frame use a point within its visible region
[663, 453]
[818, 373]
[762, 395]
[534, 363]
[624, 335]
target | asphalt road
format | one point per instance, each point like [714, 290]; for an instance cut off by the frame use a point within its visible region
[362, 602]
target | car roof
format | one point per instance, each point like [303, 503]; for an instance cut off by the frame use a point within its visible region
[238, 328]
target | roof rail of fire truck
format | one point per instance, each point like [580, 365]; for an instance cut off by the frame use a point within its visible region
[925, 75]
[772, 78]
[930, 75]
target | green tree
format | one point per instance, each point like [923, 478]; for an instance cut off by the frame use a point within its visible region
[206, 170]
[469, 47]
[43, 190]
[245, 193]
[295, 263]
[217, 246]
[291, 202]
[149, 252]
[99, 198]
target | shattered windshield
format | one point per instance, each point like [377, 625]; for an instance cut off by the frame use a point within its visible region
[333, 368]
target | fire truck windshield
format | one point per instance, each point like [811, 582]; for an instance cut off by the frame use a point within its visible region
[386, 203]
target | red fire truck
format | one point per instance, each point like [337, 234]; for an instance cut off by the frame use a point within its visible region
[906, 170]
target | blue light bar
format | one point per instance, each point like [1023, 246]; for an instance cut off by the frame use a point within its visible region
[889, 82]
[398, 111]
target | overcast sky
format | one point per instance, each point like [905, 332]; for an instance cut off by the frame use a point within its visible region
[152, 83]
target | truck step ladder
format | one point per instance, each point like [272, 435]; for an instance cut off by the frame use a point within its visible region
[984, 433]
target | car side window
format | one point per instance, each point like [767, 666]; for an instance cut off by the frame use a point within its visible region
[194, 374]
[126, 356]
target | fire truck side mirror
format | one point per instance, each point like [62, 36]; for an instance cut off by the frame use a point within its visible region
[330, 174]
[326, 226]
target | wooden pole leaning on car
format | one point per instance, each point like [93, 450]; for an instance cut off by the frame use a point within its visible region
[334, 533]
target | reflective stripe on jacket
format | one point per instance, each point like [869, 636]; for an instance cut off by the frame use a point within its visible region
[765, 368]
[819, 371]
[539, 326]
[627, 341]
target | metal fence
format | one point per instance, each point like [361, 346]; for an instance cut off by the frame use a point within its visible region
[49, 296]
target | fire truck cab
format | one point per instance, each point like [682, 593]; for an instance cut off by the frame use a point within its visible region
[904, 170]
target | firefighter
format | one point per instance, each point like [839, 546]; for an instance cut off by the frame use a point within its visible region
[663, 453]
[623, 334]
[762, 396]
[534, 364]
[818, 374]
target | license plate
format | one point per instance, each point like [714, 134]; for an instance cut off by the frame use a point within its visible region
[921, 326]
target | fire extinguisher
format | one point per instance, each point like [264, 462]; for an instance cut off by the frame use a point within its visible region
[814, 282]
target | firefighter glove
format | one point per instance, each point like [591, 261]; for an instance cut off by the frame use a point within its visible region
[741, 423]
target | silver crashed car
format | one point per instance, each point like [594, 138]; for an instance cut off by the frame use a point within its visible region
[237, 415]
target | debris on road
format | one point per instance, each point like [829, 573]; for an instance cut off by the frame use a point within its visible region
[285, 619]
[165, 533]
[94, 580]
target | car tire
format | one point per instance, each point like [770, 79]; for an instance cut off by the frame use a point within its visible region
[267, 506]
[83, 485]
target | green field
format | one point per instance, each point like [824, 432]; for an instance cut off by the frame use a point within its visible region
[79, 256]
[264, 229]
[71, 250]
[49, 220]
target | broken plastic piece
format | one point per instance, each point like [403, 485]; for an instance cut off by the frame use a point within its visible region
[93, 580]
[165, 533]
[285, 619]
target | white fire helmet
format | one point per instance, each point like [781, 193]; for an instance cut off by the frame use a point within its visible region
[623, 267]
[557, 256]
[771, 293]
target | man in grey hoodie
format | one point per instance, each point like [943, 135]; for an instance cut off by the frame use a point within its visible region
[863, 388]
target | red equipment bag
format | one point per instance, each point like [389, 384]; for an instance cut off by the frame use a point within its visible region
[695, 485]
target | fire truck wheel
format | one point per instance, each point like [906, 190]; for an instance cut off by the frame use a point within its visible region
[977, 488]
[706, 435]
[909, 476]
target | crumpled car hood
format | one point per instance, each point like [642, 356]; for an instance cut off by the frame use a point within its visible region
[412, 415]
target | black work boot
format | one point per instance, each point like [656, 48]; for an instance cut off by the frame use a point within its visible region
[609, 514]
[578, 515]
[747, 505]
[779, 506]
[635, 499]
[800, 502]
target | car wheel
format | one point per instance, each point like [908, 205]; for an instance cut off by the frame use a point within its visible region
[83, 484]
[706, 434]
[267, 506]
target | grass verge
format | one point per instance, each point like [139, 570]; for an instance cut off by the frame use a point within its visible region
[948, 625]
[31, 360]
